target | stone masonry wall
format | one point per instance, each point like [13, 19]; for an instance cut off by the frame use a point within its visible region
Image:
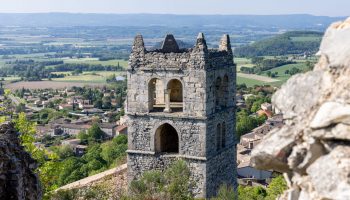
[193, 83]
[221, 168]
[313, 148]
[197, 69]
[191, 134]
[140, 163]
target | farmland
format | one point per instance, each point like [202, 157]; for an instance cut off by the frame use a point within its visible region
[249, 82]
[98, 77]
[95, 61]
[48, 84]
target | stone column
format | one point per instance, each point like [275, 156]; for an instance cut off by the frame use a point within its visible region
[167, 108]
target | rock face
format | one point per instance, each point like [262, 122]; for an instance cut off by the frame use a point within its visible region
[313, 148]
[17, 179]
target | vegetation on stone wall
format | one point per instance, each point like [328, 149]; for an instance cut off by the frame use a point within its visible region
[174, 183]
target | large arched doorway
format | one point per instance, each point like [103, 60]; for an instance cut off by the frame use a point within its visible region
[166, 139]
[156, 95]
[175, 95]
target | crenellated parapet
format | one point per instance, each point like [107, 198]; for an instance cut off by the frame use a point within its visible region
[170, 56]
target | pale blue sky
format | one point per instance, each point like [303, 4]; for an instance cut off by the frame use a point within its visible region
[315, 7]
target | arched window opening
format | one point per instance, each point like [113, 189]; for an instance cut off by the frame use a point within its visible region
[175, 92]
[225, 91]
[223, 136]
[218, 137]
[156, 95]
[166, 139]
[218, 93]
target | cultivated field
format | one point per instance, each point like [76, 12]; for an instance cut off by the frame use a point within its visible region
[257, 77]
[87, 77]
[250, 82]
[95, 61]
[281, 76]
[48, 84]
[240, 62]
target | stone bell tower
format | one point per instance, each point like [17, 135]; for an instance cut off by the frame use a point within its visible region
[180, 105]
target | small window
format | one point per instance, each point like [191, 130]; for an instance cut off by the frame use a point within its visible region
[217, 92]
[223, 137]
[156, 95]
[176, 95]
[218, 137]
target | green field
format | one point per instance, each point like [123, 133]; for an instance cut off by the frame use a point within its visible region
[246, 62]
[306, 39]
[250, 82]
[95, 61]
[10, 78]
[281, 72]
[87, 77]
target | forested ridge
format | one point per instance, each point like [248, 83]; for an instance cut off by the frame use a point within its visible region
[294, 42]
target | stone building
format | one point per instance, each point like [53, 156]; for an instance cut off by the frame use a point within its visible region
[180, 105]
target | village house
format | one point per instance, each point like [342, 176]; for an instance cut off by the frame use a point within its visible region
[245, 171]
[71, 142]
[79, 150]
[109, 129]
[70, 129]
[240, 103]
[65, 106]
[122, 129]
[38, 103]
[266, 106]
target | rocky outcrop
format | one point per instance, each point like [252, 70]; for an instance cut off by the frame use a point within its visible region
[17, 178]
[313, 148]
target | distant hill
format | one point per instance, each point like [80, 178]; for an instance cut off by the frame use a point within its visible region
[70, 19]
[295, 42]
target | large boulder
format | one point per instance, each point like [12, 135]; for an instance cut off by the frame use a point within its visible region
[17, 178]
[313, 148]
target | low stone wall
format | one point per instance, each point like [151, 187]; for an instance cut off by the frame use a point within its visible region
[95, 178]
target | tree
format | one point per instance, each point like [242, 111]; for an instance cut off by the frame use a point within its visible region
[95, 133]
[106, 102]
[49, 165]
[276, 187]
[294, 70]
[269, 73]
[65, 151]
[309, 65]
[178, 181]
[286, 72]
[251, 193]
[70, 172]
[98, 103]
[225, 193]
[84, 137]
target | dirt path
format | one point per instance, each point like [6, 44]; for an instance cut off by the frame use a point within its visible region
[257, 77]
